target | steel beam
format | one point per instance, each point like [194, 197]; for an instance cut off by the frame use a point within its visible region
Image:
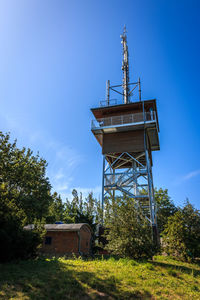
[132, 182]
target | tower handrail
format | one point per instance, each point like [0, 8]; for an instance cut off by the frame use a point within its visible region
[124, 119]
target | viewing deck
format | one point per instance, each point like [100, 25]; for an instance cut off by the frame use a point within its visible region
[120, 126]
[124, 122]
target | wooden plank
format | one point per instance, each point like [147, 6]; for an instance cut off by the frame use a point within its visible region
[131, 141]
[122, 109]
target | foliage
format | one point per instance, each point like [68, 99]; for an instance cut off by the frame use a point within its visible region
[78, 210]
[15, 242]
[23, 176]
[24, 198]
[56, 209]
[128, 232]
[181, 237]
[165, 207]
[162, 278]
[75, 211]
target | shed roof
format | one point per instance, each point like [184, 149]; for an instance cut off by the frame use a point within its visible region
[60, 227]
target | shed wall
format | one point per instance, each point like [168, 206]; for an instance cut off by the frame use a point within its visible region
[67, 242]
[85, 240]
[62, 242]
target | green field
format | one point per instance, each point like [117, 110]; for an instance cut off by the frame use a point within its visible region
[162, 278]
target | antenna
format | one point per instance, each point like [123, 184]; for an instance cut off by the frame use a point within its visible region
[108, 92]
[125, 67]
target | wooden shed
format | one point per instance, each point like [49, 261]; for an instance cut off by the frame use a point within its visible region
[66, 239]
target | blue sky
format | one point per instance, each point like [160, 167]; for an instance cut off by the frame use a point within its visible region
[55, 59]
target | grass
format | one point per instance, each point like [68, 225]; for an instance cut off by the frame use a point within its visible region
[162, 278]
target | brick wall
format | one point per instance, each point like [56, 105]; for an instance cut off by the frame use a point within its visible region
[62, 242]
[67, 242]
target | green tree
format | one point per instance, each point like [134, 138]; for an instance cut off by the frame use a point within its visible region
[165, 207]
[23, 174]
[129, 234]
[74, 209]
[14, 240]
[82, 211]
[56, 209]
[181, 236]
[24, 198]
[99, 212]
[69, 215]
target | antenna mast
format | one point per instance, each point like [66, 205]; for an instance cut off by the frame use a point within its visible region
[125, 67]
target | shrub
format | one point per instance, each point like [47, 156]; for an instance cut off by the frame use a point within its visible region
[181, 236]
[129, 233]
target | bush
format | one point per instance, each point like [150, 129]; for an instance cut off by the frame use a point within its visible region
[16, 243]
[129, 234]
[24, 198]
[181, 236]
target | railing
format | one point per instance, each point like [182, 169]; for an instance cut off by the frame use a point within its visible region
[110, 103]
[124, 119]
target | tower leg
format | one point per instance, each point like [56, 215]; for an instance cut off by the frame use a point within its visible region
[102, 196]
[156, 237]
[123, 175]
[152, 203]
[150, 189]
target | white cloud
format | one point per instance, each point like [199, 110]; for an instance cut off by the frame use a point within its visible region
[62, 159]
[59, 175]
[187, 177]
[191, 175]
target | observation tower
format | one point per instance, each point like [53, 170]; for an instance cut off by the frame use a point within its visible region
[127, 131]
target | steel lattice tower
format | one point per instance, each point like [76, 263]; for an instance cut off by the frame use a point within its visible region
[128, 133]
